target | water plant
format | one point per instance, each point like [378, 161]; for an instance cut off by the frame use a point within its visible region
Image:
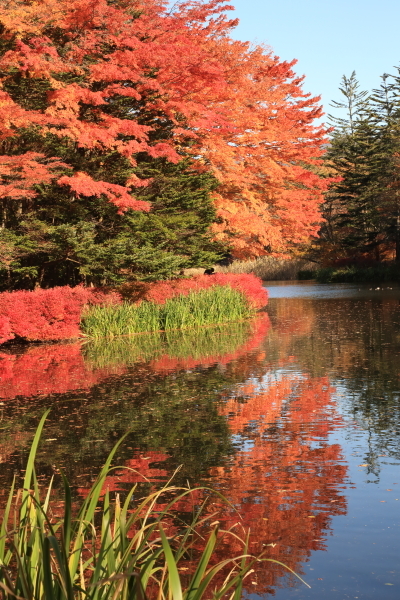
[218, 304]
[127, 551]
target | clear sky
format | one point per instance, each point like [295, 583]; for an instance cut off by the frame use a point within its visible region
[329, 38]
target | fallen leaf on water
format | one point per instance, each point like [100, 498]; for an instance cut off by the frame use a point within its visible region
[366, 465]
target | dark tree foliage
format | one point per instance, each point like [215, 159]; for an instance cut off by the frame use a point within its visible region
[65, 240]
[362, 207]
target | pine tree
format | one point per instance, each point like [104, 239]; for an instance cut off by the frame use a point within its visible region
[355, 154]
[385, 110]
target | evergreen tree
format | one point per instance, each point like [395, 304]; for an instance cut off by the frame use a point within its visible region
[357, 155]
[60, 243]
[385, 110]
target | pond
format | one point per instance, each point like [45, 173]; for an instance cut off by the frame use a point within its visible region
[294, 417]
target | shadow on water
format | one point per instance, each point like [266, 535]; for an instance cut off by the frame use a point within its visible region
[288, 416]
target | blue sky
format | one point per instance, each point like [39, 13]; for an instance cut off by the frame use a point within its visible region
[329, 39]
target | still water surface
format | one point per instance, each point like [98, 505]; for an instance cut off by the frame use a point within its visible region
[295, 418]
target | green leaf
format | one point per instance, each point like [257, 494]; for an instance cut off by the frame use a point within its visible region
[174, 582]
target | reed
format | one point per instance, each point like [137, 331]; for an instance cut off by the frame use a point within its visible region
[266, 268]
[215, 305]
[269, 268]
[123, 552]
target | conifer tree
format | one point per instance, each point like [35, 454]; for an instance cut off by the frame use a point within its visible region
[69, 243]
[385, 111]
[355, 154]
[362, 208]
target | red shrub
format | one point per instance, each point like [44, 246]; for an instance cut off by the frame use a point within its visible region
[5, 329]
[246, 283]
[52, 314]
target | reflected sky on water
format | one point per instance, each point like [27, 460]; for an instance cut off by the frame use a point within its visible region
[294, 417]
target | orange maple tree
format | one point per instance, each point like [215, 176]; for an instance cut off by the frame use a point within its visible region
[132, 77]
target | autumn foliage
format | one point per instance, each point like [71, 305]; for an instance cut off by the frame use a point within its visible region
[55, 314]
[92, 88]
[246, 283]
[47, 315]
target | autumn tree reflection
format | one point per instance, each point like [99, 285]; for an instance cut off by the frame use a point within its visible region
[285, 482]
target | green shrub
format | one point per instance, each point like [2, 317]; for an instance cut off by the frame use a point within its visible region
[379, 273]
[305, 274]
[218, 304]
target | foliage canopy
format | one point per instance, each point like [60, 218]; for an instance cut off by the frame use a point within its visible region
[101, 101]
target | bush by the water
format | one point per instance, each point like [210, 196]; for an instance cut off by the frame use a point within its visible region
[378, 273]
[161, 291]
[47, 315]
[102, 548]
[218, 304]
[55, 314]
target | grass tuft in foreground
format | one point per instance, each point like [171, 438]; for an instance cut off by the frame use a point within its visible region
[123, 552]
[218, 304]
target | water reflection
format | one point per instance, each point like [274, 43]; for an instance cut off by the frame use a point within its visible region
[286, 479]
[356, 343]
[262, 411]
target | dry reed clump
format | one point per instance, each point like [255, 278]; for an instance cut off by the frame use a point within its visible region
[266, 268]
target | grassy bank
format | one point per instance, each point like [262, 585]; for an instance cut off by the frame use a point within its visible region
[101, 548]
[218, 304]
[379, 273]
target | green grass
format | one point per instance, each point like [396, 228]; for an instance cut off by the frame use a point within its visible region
[106, 549]
[219, 304]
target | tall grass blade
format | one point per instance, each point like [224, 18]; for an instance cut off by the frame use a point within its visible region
[174, 582]
[202, 566]
[3, 529]
[112, 555]
[30, 466]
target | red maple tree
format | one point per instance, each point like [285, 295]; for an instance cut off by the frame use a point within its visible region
[132, 76]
